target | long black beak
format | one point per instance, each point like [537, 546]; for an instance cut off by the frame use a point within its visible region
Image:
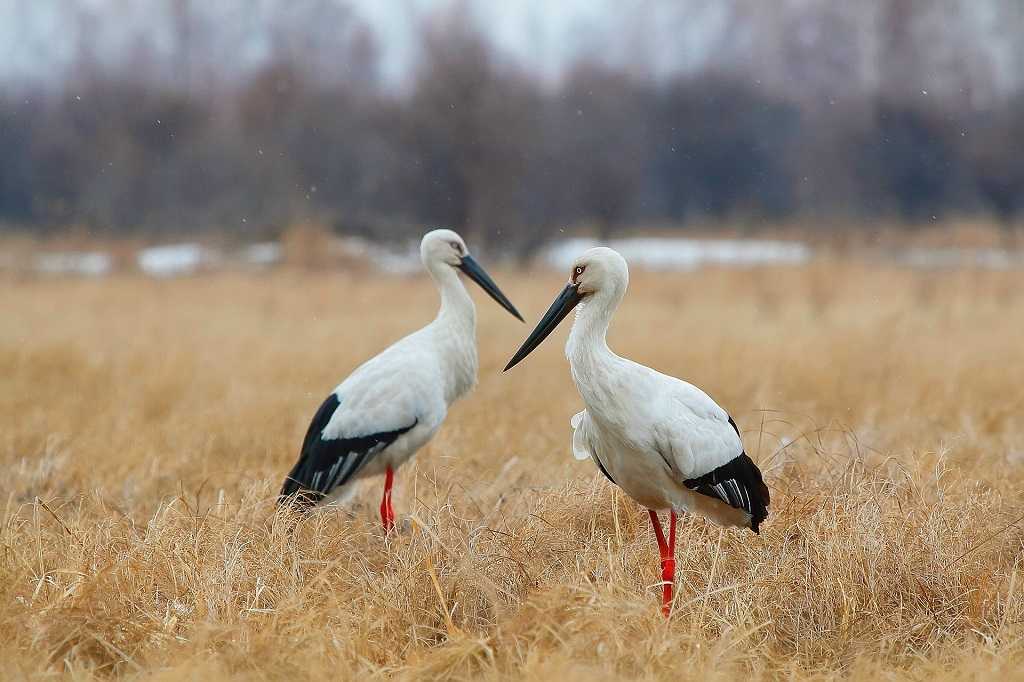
[565, 302]
[480, 276]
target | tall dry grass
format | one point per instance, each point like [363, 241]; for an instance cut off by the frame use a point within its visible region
[145, 427]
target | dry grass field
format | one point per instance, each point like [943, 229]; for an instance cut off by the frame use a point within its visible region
[145, 427]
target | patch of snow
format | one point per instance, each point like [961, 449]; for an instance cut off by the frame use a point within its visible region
[941, 258]
[262, 254]
[685, 254]
[398, 263]
[392, 260]
[354, 247]
[87, 263]
[174, 259]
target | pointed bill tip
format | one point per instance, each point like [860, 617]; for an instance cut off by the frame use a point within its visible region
[565, 302]
[512, 363]
[476, 273]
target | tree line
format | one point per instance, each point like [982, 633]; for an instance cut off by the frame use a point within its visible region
[479, 144]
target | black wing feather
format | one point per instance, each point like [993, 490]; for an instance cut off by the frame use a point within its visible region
[325, 464]
[738, 483]
[603, 470]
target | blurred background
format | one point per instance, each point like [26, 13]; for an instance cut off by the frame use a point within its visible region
[273, 125]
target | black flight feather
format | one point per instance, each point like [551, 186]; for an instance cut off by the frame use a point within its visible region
[738, 483]
[325, 464]
[603, 470]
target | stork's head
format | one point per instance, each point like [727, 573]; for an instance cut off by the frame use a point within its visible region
[442, 246]
[600, 273]
[442, 249]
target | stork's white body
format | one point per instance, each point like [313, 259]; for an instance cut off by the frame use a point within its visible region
[392, 405]
[651, 432]
[415, 379]
[663, 441]
[648, 431]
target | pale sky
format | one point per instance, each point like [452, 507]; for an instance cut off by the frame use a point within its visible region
[40, 39]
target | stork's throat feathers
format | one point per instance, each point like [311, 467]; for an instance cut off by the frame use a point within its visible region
[455, 299]
[587, 342]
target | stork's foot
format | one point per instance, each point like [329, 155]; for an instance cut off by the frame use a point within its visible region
[399, 526]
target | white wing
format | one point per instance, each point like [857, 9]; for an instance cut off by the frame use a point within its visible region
[704, 445]
[697, 434]
[390, 391]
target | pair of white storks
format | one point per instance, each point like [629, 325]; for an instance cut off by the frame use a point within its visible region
[663, 441]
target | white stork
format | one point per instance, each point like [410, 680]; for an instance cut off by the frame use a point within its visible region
[662, 440]
[390, 406]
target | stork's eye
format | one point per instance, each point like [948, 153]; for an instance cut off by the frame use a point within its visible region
[456, 246]
[579, 270]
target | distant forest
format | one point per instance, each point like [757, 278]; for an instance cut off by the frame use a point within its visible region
[476, 142]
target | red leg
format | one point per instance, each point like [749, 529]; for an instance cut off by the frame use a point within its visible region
[387, 512]
[672, 534]
[669, 567]
[668, 562]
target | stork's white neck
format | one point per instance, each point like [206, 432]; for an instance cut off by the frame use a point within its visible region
[454, 329]
[456, 305]
[588, 344]
[596, 369]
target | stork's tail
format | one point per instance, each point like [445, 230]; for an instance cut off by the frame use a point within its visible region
[297, 498]
[739, 484]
